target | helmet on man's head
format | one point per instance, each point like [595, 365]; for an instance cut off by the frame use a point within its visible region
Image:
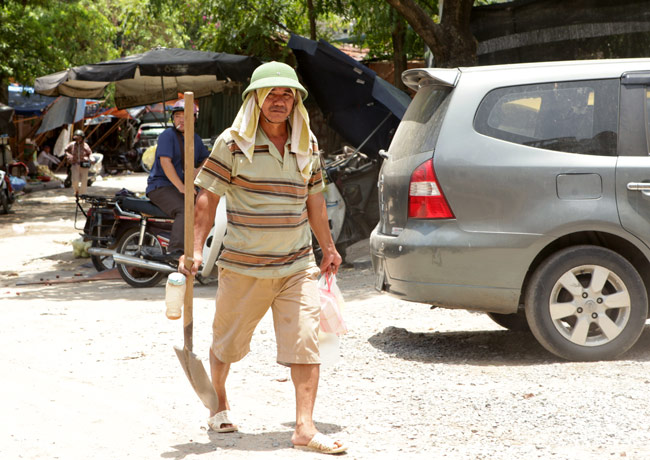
[78, 133]
[179, 106]
[274, 75]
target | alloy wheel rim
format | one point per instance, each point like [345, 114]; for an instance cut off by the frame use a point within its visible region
[590, 305]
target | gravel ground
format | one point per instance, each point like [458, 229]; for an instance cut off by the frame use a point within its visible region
[89, 372]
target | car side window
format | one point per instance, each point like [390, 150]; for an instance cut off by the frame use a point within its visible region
[574, 117]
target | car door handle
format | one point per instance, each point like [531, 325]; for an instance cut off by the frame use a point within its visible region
[642, 186]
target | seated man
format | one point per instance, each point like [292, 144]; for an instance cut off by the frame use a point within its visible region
[165, 185]
[45, 158]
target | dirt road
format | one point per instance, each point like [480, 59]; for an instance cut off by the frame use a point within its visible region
[89, 371]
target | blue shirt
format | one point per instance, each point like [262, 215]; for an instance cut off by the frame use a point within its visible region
[169, 146]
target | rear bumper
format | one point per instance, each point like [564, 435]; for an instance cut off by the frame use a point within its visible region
[440, 264]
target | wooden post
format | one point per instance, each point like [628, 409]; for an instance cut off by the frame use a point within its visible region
[188, 317]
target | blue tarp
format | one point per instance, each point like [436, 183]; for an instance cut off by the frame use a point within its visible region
[26, 102]
[64, 111]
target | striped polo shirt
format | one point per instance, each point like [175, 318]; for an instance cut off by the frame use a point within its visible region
[268, 233]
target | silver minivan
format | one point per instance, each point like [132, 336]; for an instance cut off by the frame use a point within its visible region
[523, 191]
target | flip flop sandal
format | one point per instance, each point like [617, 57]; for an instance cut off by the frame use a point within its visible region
[219, 419]
[323, 444]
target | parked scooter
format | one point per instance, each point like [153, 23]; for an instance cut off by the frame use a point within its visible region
[351, 198]
[100, 219]
[7, 196]
[129, 160]
[126, 231]
[149, 237]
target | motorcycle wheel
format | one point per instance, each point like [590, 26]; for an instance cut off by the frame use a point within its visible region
[102, 263]
[4, 201]
[136, 276]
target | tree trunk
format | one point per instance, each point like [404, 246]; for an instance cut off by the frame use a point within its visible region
[4, 90]
[312, 19]
[399, 55]
[451, 41]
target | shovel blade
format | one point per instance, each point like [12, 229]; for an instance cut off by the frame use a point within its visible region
[198, 378]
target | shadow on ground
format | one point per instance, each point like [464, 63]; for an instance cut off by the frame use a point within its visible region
[494, 347]
[242, 441]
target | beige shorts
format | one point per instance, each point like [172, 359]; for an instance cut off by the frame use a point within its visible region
[242, 301]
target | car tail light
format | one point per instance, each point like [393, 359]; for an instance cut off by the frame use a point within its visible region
[426, 200]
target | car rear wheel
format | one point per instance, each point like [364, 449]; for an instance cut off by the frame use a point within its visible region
[586, 303]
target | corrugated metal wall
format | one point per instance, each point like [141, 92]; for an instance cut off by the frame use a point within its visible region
[217, 112]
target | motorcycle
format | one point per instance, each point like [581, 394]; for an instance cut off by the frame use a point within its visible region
[127, 231]
[148, 231]
[7, 196]
[98, 228]
[130, 160]
[351, 198]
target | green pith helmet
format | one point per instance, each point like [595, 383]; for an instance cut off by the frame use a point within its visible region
[273, 75]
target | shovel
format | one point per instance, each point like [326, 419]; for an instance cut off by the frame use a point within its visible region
[191, 364]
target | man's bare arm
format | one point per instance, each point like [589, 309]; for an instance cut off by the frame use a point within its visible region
[319, 222]
[205, 209]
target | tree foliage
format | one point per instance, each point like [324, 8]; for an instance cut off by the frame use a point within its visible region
[253, 27]
[45, 36]
[449, 39]
[38, 37]
[373, 25]
[141, 25]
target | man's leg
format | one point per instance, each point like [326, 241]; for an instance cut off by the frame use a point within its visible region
[219, 371]
[240, 304]
[74, 178]
[172, 202]
[305, 380]
[83, 172]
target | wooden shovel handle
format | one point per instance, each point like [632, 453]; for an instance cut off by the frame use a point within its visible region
[188, 318]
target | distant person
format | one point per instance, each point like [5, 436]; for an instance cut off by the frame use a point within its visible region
[165, 185]
[78, 154]
[45, 158]
[29, 157]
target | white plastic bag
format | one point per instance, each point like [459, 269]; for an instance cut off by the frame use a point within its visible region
[331, 306]
[328, 345]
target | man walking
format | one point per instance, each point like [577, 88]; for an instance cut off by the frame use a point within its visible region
[78, 154]
[267, 165]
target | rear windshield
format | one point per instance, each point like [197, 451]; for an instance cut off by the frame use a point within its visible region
[420, 126]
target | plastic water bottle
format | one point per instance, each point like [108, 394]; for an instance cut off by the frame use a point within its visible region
[175, 295]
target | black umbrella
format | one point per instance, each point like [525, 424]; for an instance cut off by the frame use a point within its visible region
[359, 105]
[6, 120]
[154, 76]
